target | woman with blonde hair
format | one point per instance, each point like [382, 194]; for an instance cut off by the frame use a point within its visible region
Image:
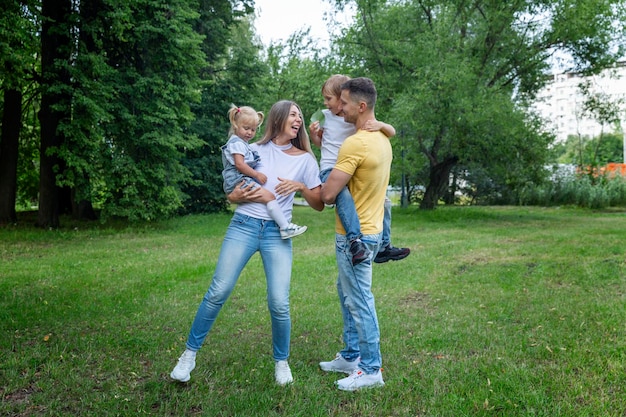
[289, 165]
[239, 161]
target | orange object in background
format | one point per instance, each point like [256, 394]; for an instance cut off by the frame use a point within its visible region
[612, 169]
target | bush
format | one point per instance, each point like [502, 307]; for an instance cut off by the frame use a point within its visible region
[576, 190]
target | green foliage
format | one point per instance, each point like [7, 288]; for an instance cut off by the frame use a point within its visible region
[576, 190]
[149, 83]
[457, 77]
[157, 66]
[590, 152]
[19, 42]
[138, 74]
[133, 87]
[28, 166]
[297, 70]
[231, 76]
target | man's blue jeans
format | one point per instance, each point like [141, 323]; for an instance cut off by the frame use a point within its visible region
[245, 236]
[344, 204]
[361, 334]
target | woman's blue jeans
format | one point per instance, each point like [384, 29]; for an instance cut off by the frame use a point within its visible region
[361, 334]
[245, 236]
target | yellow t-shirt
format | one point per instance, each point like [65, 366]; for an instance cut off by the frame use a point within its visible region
[367, 157]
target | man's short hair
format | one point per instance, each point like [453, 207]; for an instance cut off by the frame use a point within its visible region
[361, 89]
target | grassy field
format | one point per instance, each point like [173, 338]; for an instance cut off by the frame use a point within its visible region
[498, 311]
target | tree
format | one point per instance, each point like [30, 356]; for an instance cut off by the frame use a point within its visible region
[599, 107]
[9, 142]
[459, 75]
[118, 80]
[56, 48]
[297, 69]
[17, 61]
[587, 152]
[120, 84]
[153, 59]
[230, 74]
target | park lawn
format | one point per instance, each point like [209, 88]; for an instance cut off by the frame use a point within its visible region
[498, 311]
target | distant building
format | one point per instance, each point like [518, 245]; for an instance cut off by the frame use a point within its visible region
[560, 102]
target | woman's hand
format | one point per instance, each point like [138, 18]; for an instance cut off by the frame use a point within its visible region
[286, 187]
[312, 196]
[243, 194]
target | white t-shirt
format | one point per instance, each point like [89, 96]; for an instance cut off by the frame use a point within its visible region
[276, 163]
[336, 130]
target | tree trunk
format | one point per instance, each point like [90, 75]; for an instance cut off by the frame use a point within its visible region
[56, 49]
[9, 151]
[438, 182]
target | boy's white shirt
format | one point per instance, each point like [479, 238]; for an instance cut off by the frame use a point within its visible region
[336, 130]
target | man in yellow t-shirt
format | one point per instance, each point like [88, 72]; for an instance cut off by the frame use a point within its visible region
[363, 164]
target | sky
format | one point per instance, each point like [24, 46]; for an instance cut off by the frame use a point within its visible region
[277, 19]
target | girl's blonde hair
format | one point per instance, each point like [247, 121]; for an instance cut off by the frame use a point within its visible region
[332, 86]
[279, 113]
[240, 115]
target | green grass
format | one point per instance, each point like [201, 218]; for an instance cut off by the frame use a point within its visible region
[497, 312]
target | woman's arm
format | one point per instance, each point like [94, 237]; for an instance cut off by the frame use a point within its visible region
[243, 194]
[312, 196]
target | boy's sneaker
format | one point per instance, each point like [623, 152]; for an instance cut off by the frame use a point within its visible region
[282, 373]
[340, 364]
[359, 379]
[292, 230]
[391, 254]
[185, 365]
[359, 252]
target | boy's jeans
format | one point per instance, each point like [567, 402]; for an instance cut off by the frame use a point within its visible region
[344, 204]
[386, 225]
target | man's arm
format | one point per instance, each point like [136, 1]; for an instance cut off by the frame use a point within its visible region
[333, 185]
[312, 197]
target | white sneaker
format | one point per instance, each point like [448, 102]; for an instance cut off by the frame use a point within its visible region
[185, 365]
[340, 364]
[359, 379]
[292, 230]
[282, 373]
